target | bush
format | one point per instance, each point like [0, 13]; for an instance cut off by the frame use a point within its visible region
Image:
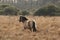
[1, 12]
[50, 10]
[25, 13]
[8, 10]
[2, 6]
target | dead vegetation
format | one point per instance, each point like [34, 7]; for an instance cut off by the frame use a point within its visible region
[48, 28]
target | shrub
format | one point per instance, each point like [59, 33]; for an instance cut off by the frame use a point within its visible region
[8, 10]
[2, 6]
[1, 12]
[25, 13]
[50, 10]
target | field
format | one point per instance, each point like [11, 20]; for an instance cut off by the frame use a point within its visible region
[48, 28]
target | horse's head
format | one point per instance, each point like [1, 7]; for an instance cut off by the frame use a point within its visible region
[22, 19]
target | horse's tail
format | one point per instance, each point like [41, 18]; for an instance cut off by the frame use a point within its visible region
[34, 27]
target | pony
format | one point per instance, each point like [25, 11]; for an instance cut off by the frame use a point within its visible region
[28, 24]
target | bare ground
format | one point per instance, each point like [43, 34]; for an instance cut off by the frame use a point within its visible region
[48, 28]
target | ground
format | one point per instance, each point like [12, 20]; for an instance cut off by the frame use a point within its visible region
[48, 28]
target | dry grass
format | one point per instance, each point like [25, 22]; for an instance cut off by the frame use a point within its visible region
[11, 29]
